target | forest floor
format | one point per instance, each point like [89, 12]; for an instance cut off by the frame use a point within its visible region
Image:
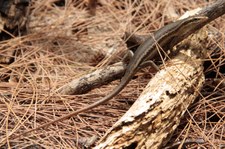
[64, 40]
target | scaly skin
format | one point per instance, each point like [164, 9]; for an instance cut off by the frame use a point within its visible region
[166, 38]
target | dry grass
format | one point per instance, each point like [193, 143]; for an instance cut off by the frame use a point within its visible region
[65, 42]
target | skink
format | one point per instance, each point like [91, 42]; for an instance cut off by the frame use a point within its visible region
[166, 38]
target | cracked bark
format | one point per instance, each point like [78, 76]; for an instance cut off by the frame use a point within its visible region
[152, 119]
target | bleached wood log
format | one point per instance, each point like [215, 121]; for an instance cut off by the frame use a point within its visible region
[152, 119]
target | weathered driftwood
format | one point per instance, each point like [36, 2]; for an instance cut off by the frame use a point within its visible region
[150, 122]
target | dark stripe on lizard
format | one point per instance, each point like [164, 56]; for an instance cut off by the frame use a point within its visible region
[166, 37]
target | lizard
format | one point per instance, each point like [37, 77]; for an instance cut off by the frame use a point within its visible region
[166, 37]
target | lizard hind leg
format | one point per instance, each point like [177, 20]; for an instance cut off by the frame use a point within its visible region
[149, 63]
[128, 56]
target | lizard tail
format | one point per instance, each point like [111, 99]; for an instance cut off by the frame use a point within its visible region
[119, 88]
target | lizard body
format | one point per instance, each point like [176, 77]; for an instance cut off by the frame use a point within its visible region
[166, 37]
